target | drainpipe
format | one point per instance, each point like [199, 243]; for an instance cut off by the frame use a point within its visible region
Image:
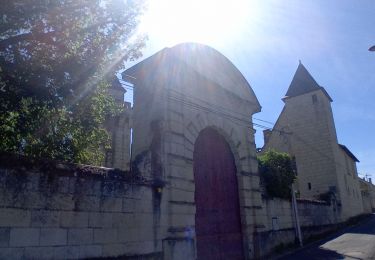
[295, 213]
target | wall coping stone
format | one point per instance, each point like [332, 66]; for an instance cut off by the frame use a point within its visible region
[22, 163]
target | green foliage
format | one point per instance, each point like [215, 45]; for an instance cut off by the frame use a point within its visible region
[277, 173]
[56, 58]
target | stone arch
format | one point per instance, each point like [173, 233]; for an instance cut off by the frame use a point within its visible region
[230, 134]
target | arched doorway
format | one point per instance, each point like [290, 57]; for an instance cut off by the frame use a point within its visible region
[217, 218]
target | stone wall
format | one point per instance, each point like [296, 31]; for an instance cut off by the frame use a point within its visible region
[368, 195]
[315, 217]
[58, 210]
[52, 210]
[348, 185]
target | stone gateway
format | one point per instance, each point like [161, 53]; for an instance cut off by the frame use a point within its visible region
[193, 117]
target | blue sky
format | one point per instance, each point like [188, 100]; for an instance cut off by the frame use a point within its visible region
[266, 39]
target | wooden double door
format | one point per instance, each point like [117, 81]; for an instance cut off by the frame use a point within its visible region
[217, 219]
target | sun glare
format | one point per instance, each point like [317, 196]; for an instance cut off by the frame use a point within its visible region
[204, 21]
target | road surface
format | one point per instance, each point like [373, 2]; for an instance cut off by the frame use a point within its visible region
[354, 243]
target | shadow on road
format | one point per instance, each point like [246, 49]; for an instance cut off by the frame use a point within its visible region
[319, 254]
[356, 242]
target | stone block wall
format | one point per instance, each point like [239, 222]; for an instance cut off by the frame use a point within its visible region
[314, 213]
[51, 210]
[315, 218]
[310, 212]
[279, 214]
[348, 185]
[368, 195]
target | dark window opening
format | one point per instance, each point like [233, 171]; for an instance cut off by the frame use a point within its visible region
[314, 99]
[309, 185]
[294, 165]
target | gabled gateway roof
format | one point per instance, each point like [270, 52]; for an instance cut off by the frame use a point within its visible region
[303, 83]
[204, 60]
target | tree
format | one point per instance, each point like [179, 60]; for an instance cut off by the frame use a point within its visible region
[276, 173]
[57, 58]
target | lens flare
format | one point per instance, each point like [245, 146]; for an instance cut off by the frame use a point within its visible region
[202, 21]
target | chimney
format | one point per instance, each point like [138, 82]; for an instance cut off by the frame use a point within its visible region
[266, 135]
[369, 180]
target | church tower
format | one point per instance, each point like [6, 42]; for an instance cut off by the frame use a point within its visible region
[306, 130]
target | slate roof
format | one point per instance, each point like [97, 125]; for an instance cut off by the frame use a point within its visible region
[303, 83]
[348, 152]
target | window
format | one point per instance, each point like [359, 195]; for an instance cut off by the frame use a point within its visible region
[309, 185]
[275, 223]
[294, 165]
[314, 99]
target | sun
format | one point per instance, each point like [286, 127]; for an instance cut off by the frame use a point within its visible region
[204, 21]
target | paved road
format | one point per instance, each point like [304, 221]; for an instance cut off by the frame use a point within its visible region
[354, 243]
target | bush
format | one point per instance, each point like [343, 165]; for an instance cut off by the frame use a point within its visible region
[276, 173]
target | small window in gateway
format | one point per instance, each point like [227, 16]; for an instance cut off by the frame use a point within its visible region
[309, 185]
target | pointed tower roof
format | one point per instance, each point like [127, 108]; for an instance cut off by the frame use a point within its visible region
[303, 83]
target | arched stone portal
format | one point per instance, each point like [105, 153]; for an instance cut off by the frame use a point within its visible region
[187, 91]
[217, 218]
